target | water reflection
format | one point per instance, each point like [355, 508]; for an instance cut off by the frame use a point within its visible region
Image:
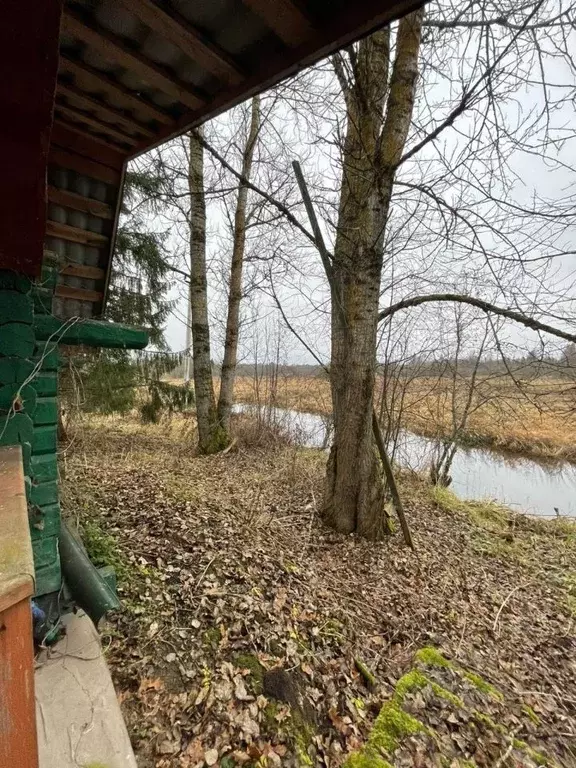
[522, 484]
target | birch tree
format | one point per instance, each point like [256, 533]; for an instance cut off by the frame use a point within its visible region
[211, 435]
[228, 375]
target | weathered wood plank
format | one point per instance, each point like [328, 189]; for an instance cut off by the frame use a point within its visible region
[79, 203]
[74, 234]
[83, 165]
[98, 125]
[88, 102]
[83, 270]
[101, 82]
[79, 294]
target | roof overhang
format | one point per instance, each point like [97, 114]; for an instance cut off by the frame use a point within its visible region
[133, 73]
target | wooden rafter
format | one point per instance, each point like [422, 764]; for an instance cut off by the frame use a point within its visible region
[79, 130]
[75, 234]
[78, 294]
[284, 18]
[100, 81]
[88, 102]
[82, 270]
[97, 125]
[112, 46]
[79, 203]
[180, 32]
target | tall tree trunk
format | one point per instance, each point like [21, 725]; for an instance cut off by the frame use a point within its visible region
[228, 375]
[211, 437]
[354, 492]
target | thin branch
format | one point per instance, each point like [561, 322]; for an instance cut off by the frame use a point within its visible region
[272, 200]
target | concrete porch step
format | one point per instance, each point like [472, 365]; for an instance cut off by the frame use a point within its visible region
[78, 717]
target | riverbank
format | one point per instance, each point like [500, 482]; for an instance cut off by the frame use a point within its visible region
[536, 421]
[226, 572]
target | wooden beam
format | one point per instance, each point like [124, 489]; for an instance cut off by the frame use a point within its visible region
[73, 139]
[79, 203]
[172, 26]
[77, 294]
[80, 129]
[84, 165]
[284, 18]
[112, 46]
[74, 234]
[76, 116]
[100, 81]
[88, 102]
[82, 270]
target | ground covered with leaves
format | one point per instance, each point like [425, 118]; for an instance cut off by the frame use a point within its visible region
[252, 635]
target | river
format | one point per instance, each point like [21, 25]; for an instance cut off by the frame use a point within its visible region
[525, 485]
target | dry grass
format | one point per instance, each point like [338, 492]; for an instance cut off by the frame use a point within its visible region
[538, 420]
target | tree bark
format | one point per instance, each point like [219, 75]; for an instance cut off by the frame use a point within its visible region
[228, 374]
[354, 491]
[211, 437]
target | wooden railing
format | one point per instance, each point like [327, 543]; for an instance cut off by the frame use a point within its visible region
[18, 745]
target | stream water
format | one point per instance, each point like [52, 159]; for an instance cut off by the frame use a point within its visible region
[529, 486]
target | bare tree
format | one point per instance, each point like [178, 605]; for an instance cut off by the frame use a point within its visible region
[212, 437]
[228, 374]
[373, 146]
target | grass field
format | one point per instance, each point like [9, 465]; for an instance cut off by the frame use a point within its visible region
[537, 418]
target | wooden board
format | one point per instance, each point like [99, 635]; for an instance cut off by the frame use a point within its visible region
[78, 294]
[87, 102]
[83, 165]
[100, 81]
[92, 122]
[82, 270]
[78, 203]
[72, 139]
[75, 234]
[178, 30]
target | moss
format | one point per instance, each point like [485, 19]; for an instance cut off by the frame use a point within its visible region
[486, 720]
[298, 732]
[416, 680]
[391, 726]
[250, 662]
[366, 760]
[483, 686]
[531, 714]
[211, 638]
[480, 512]
[432, 657]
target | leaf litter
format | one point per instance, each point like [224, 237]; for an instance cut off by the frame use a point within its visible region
[245, 622]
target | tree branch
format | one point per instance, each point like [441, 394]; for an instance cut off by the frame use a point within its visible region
[485, 306]
[276, 203]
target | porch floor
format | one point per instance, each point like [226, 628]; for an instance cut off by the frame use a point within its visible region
[78, 717]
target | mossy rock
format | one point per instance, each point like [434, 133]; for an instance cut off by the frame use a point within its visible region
[432, 700]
